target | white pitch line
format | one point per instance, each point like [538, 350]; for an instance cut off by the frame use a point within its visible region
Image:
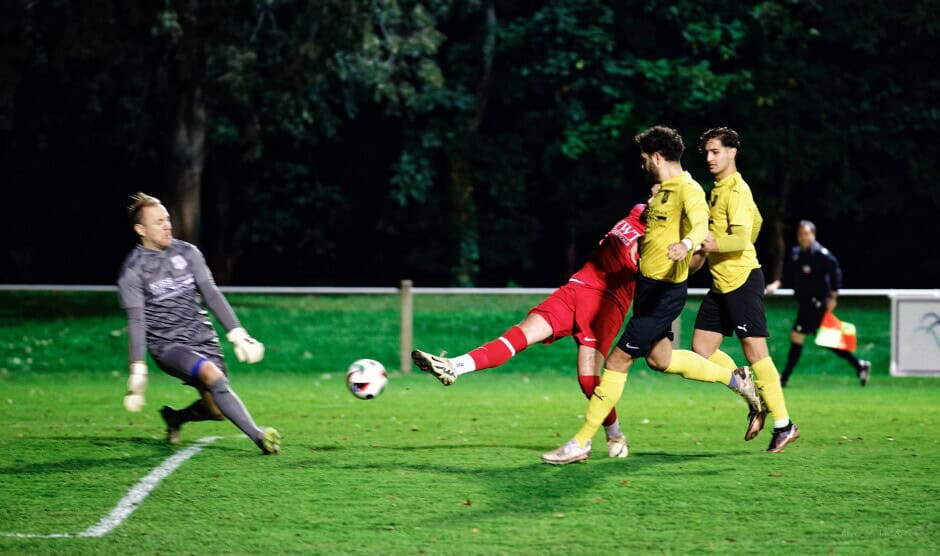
[132, 500]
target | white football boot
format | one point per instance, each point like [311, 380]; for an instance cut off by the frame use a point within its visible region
[618, 447]
[440, 367]
[569, 452]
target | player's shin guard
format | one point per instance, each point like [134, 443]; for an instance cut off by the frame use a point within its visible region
[693, 366]
[588, 384]
[232, 407]
[768, 382]
[723, 359]
[502, 349]
[605, 397]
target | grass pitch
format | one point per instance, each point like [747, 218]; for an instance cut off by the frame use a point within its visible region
[431, 470]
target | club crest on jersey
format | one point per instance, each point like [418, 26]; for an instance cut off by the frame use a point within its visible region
[178, 262]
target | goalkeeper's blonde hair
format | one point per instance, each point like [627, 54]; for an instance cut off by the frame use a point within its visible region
[140, 200]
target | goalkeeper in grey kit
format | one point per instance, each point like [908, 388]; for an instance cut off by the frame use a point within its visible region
[162, 284]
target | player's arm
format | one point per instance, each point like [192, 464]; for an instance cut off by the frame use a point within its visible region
[696, 211]
[130, 290]
[740, 224]
[772, 287]
[247, 349]
[787, 271]
[835, 272]
[697, 262]
[835, 279]
[134, 399]
[756, 224]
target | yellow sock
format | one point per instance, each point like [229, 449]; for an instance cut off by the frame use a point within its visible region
[695, 367]
[768, 382]
[723, 359]
[606, 395]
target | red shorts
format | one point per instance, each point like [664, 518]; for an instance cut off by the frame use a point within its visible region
[590, 316]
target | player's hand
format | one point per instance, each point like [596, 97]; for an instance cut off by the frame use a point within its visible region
[831, 304]
[772, 287]
[677, 251]
[709, 245]
[247, 349]
[136, 385]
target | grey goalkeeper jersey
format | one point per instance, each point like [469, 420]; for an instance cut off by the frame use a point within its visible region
[162, 292]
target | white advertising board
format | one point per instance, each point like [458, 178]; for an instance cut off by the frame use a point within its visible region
[915, 336]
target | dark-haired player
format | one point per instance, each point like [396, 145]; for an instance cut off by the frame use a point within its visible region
[735, 302]
[677, 221]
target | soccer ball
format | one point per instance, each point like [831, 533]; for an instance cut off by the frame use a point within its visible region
[366, 378]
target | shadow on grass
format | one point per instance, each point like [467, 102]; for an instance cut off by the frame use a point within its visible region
[159, 449]
[513, 481]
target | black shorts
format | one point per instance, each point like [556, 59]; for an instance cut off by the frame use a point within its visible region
[809, 316]
[182, 361]
[740, 311]
[656, 305]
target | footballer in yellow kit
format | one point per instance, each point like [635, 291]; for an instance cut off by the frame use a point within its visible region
[734, 223]
[677, 211]
[735, 302]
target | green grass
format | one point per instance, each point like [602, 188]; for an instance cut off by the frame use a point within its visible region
[430, 470]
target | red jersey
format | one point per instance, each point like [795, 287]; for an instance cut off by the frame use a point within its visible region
[611, 267]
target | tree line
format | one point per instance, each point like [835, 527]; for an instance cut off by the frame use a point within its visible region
[464, 142]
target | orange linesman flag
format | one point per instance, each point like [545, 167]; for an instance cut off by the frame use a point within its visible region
[833, 333]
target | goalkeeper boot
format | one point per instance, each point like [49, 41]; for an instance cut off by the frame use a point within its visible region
[864, 371]
[744, 385]
[755, 423]
[569, 452]
[440, 367]
[172, 425]
[270, 441]
[782, 437]
[618, 447]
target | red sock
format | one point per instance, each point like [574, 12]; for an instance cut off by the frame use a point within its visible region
[500, 350]
[588, 384]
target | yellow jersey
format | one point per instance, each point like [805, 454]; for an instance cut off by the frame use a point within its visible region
[734, 222]
[677, 211]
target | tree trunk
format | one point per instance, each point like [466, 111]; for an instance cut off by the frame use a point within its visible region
[188, 158]
[780, 229]
[464, 221]
[464, 213]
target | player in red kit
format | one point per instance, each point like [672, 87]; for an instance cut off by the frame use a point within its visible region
[590, 308]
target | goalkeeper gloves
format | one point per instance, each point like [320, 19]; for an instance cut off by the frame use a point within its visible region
[136, 384]
[247, 349]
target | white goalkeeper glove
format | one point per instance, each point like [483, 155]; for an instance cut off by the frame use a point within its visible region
[136, 384]
[247, 349]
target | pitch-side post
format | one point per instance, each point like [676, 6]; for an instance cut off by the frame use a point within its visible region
[407, 325]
